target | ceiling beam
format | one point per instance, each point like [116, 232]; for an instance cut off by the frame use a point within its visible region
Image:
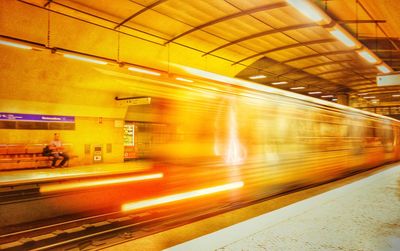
[330, 40]
[378, 26]
[264, 33]
[47, 3]
[140, 12]
[357, 21]
[228, 17]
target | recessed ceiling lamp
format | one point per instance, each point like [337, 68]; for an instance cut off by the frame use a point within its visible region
[367, 56]
[314, 92]
[297, 88]
[257, 77]
[279, 83]
[327, 96]
[342, 37]
[94, 61]
[140, 70]
[306, 9]
[383, 68]
[21, 46]
[184, 80]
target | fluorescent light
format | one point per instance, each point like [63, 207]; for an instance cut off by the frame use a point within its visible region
[334, 99]
[94, 61]
[306, 9]
[370, 97]
[327, 96]
[280, 83]
[383, 69]
[140, 70]
[367, 56]
[314, 92]
[184, 80]
[180, 196]
[362, 94]
[21, 46]
[257, 77]
[396, 95]
[343, 38]
[297, 88]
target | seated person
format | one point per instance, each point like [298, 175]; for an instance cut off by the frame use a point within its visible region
[57, 151]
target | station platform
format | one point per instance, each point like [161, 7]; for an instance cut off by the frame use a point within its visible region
[361, 212]
[20, 177]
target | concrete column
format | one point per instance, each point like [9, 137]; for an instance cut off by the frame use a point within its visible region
[343, 99]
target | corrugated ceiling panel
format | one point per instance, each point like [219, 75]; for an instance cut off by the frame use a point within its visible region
[119, 8]
[238, 28]
[282, 17]
[268, 42]
[248, 4]
[290, 53]
[307, 34]
[195, 13]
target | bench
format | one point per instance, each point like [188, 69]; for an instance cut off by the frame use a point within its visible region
[24, 157]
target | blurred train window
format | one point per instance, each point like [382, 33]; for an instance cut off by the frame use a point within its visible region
[332, 130]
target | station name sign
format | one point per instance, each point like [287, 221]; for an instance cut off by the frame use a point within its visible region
[36, 117]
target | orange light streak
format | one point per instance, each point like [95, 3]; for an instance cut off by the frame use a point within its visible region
[46, 188]
[181, 196]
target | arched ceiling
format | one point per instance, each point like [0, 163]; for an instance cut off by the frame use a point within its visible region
[269, 38]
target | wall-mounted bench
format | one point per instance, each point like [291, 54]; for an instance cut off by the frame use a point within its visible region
[23, 157]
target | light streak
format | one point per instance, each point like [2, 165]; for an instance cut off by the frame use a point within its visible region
[46, 188]
[180, 196]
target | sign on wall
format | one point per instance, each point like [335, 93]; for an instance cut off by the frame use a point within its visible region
[36, 121]
[36, 117]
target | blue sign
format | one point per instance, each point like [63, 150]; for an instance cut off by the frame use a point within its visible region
[36, 117]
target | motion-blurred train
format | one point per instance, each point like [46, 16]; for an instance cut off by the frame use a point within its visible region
[230, 129]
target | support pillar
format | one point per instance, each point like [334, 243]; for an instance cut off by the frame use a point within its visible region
[343, 99]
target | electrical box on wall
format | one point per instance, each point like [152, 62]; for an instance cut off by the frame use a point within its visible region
[388, 79]
[97, 153]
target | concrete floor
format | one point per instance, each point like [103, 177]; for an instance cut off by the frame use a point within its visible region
[49, 174]
[363, 215]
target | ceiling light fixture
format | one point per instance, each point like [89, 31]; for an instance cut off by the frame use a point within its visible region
[94, 61]
[314, 92]
[306, 9]
[297, 88]
[140, 70]
[334, 99]
[368, 56]
[327, 96]
[279, 83]
[343, 37]
[370, 97]
[383, 68]
[396, 95]
[257, 77]
[184, 80]
[21, 46]
[362, 94]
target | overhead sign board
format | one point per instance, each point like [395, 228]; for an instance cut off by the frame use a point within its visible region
[388, 79]
[134, 101]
